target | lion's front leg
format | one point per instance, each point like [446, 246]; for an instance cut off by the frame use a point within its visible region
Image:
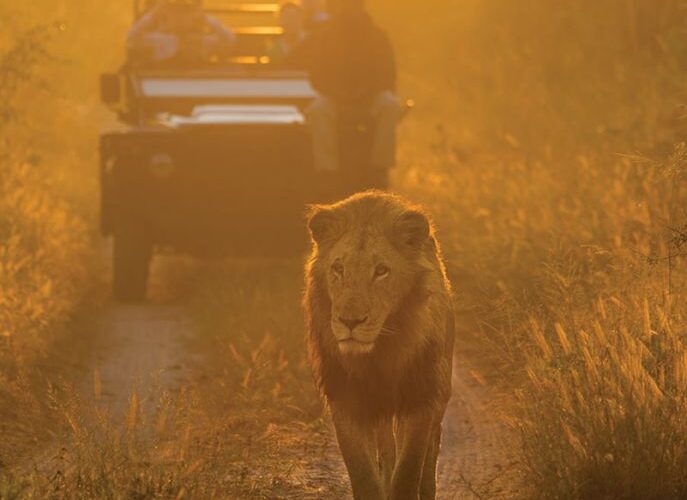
[358, 445]
[414, 433]
[428, 485]
[386, 445]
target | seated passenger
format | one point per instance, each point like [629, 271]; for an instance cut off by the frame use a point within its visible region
[315, 15]
[285, 49]
[178, 32]
[353, 70]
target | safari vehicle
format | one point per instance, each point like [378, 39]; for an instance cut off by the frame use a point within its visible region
[213, 159]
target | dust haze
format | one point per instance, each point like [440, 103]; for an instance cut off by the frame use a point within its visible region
[548, 143]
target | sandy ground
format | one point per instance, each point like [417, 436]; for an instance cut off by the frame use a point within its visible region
[474, 463]
[140, 350]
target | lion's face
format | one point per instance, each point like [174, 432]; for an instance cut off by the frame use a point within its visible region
[369, 269]
[365, 286]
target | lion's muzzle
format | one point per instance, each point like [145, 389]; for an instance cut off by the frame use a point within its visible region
[352, 323]
[353, 334]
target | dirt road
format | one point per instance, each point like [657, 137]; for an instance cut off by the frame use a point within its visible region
[145, 350]
[140, 350]
[474, 462]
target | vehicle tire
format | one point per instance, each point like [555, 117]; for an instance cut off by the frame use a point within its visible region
[131, 261]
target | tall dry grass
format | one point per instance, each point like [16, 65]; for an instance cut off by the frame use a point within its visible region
[602, 414]
[250, 426]
[558, 181]
[49, 120]
[43, 245]
[49, 59]
[578, 282]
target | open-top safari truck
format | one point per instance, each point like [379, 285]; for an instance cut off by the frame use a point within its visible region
[214, 159]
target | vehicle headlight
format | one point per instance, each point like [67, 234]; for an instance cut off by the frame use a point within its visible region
[161, 165]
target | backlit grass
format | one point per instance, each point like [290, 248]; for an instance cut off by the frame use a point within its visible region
[548, 142]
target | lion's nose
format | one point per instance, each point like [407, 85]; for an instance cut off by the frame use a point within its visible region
[352, 323]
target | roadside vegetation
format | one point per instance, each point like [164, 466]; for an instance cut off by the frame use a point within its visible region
[47, 193]
[559, 188]
[251, 426]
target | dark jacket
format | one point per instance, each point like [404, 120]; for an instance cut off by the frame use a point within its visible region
[352, 60]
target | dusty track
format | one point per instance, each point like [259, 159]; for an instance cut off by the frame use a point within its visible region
[140, 350]
[144, 350]
[474, 462]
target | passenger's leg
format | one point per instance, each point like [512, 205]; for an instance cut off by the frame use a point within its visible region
[322, 118]
[387, 113]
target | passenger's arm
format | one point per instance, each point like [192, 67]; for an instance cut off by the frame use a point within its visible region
[222, 38]
[320, 65]
[140, 49]
[141, 28]
[387, 65]
[148, 42]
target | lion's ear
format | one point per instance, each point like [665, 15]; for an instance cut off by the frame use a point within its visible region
[325, 224]
[412, 229]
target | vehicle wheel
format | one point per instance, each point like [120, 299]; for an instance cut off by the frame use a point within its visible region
[131, 261]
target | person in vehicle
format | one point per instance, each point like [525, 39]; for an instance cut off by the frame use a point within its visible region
[315, 14]
[178, 32]
[353, 70]
[285, 49]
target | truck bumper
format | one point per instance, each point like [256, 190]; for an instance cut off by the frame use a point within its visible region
[234, 188]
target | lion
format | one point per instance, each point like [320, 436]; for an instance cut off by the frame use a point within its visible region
[380, 319]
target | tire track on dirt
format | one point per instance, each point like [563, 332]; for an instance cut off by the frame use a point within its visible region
[114, 352]
[141, 350]
[474, 460]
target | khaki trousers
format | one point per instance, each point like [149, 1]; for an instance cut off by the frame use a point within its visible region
[323, 119]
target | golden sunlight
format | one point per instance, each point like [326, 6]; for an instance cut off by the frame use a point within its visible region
[326, 249]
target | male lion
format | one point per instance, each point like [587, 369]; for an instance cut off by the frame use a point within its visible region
[380, 318]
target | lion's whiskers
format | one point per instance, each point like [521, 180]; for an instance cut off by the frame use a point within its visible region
[388, 332]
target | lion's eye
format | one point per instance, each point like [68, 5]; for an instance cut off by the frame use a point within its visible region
[381, 271]
[338, 269]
